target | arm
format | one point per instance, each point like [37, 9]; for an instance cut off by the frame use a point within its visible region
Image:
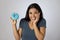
[39, 33]
[17, 33]
[20, 32]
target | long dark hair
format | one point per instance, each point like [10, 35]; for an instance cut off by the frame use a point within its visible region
[33, 5]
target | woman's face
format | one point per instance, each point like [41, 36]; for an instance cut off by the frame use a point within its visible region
[33, 14]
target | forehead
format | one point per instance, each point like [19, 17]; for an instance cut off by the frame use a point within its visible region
[33, 10]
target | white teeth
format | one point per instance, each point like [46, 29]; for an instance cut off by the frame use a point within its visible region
[33, 18]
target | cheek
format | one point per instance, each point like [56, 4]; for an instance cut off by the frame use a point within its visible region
[29, 15]
[37, 15]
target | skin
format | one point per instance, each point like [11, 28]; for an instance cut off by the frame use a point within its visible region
[34, 17]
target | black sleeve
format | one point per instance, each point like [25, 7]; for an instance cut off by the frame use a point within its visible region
[42, 23]
[21, 24]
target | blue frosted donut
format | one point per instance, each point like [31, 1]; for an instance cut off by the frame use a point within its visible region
[15, 16]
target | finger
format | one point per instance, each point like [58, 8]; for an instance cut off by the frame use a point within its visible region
[11, 19]
[37, 18]
[15, 20]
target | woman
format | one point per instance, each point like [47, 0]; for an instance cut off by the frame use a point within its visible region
[32, 27]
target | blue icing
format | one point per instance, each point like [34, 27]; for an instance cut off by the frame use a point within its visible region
[15, 16]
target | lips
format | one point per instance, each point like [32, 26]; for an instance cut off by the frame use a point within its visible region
[33, 18]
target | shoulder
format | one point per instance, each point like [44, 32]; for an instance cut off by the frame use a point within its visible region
[23, 21]
[42, 22]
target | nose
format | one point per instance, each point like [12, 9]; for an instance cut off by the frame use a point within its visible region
[33, 15]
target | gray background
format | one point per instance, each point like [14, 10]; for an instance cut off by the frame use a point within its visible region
[51, 11]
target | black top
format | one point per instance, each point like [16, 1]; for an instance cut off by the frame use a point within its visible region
[27, 33]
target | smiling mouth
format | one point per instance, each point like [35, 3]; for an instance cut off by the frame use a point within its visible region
[33, 18]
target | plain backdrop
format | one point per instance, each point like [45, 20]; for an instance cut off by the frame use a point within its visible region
[51, 12]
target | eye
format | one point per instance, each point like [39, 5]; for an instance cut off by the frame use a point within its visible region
[30, 12]
[36, 12]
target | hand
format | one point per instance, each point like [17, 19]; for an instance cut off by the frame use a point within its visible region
[13, 21]
[36, 20]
